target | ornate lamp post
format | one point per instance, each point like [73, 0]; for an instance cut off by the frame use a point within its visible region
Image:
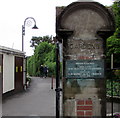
[23, 29]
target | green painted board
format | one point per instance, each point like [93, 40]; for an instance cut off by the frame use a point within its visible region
[80, 69]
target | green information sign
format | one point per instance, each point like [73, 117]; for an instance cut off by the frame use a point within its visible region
[84, 69]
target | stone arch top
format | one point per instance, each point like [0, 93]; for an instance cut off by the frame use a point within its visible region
[85, 19]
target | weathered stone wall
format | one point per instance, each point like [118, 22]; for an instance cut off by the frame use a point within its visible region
[84, 27]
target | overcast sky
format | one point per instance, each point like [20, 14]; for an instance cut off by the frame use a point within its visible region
[14, 12]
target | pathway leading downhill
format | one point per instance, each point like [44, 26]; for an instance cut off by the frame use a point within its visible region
[38, 100]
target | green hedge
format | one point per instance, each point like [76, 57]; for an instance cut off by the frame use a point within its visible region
[44, 54]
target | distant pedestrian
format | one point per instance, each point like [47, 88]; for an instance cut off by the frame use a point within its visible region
[41, 71]
[45, 69]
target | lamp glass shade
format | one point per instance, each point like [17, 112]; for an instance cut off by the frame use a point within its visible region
[35, 27]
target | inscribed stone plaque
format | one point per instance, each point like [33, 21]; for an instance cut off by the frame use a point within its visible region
[86, 49]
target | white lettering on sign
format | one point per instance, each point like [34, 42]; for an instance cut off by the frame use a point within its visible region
[85, 69]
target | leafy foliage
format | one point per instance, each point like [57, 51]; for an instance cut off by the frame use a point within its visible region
[113, 42]
[113, 82]
[44, 54]
[115, 87]
[116, 10]
[31, 65]
[36, 40]
[113, 47]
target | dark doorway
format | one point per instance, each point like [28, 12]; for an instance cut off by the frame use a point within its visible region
[18, 73]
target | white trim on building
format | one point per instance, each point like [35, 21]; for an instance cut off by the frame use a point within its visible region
[8, 67]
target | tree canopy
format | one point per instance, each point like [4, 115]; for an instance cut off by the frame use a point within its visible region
[36, 40]
[113, 42]
[116, 10]
[44, 54]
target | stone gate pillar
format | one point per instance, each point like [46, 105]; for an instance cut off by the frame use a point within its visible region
[84, 28]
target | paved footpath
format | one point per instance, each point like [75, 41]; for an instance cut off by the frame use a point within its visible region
[38, 100]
